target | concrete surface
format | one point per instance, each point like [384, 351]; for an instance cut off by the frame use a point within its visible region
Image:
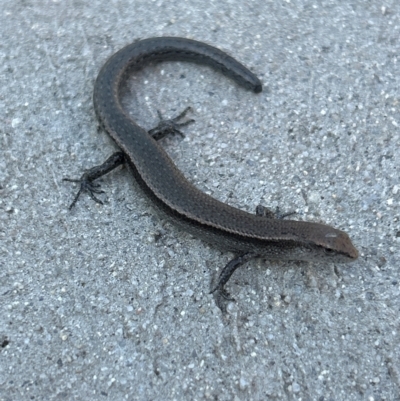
[111, 302]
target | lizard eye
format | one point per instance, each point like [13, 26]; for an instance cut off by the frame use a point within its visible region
[328, 251]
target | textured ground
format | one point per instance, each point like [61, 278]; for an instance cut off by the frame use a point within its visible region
[111, 302]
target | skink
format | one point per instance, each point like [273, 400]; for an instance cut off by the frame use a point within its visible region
[247, 235]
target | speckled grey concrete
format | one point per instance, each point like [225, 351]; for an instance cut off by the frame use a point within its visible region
[111, 302]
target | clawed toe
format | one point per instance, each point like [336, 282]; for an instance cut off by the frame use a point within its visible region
[170, 126]
[86, 186]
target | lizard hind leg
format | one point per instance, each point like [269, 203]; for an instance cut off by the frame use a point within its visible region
[170, 126]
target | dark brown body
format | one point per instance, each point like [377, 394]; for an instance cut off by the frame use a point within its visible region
[165, 185]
